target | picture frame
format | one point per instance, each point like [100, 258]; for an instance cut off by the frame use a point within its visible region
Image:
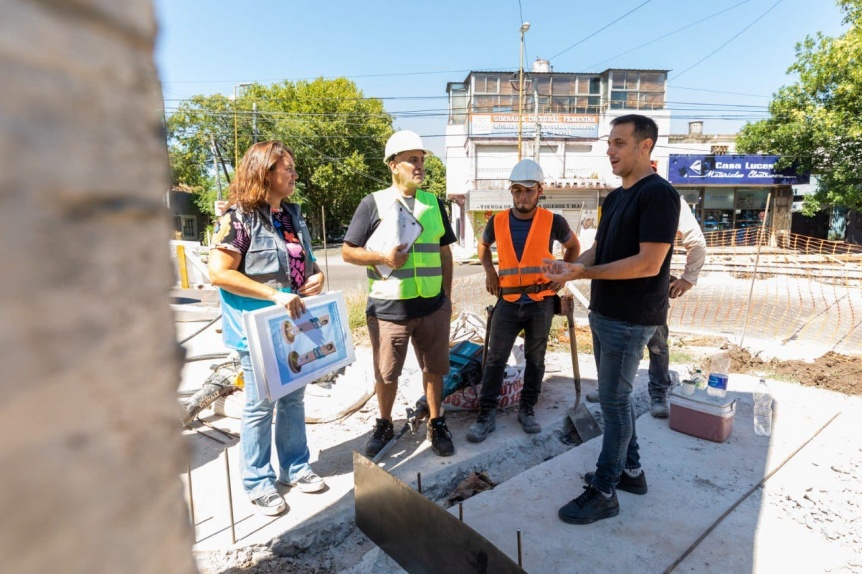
[287, 354]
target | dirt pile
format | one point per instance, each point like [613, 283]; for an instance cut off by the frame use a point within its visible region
[831, 371]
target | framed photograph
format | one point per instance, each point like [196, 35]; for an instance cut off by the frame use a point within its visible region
[287, 353]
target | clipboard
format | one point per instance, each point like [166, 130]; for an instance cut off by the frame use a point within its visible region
[397, 226]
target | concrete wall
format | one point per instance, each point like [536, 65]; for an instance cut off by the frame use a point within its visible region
[91, 450]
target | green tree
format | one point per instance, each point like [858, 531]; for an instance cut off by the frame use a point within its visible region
[435, 176]
[337, 134]
[816, 123]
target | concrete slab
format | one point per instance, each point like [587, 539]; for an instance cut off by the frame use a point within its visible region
[693, 483]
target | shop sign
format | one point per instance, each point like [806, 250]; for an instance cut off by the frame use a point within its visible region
[505, 125]
[731, 170]
[495, 200]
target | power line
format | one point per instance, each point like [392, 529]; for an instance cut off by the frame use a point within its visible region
[718, 91]
[738, 34]
[639, 6]
[669, 34]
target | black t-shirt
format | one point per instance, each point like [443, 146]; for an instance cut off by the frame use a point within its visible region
[364, 222]
[647, 212]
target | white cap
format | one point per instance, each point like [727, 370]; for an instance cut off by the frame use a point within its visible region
[527, 173]
[403, 140]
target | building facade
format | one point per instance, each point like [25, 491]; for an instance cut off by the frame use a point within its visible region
[561, 120]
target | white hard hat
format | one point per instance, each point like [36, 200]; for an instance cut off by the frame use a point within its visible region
[527, 173]
[403, 140]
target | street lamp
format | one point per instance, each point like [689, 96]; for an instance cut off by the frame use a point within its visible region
[235, 132]
[524, 27]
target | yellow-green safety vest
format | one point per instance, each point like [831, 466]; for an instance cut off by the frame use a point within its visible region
[422, 273]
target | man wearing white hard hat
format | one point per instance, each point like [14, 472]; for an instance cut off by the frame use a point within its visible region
[412, 303]
[524, 235]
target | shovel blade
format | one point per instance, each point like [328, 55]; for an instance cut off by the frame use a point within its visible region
[585, 424]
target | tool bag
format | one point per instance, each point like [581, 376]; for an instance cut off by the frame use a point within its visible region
[461, 387]
[465, 368]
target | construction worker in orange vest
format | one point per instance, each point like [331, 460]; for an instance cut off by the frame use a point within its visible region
[524, 236]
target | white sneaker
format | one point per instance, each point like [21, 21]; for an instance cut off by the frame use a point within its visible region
[308, 482]
[270, 504]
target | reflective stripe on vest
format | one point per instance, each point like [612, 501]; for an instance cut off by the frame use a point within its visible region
[422, 273]
[527, 271]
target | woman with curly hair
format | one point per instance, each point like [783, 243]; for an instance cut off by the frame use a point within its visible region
[262, 256]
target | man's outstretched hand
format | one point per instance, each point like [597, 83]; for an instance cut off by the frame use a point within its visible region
[562, 271]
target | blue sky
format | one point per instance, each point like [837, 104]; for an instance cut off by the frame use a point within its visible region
[406, 53]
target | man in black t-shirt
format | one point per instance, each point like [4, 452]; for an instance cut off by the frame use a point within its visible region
[629, 265]
[410, 304]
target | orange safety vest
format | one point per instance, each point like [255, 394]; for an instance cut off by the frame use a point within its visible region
[516, 274]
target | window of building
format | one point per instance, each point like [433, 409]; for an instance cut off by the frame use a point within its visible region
[486, 84]
[187, 225]
[494, 162]
[637, 90]
[458, 104]
[718, 150]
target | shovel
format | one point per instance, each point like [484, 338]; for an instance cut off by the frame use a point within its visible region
[585, 425]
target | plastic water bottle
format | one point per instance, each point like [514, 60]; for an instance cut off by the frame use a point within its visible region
[717, 382]
[762, 409]
[699, 379]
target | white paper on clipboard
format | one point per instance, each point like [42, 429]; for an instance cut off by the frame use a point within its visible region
[397, 226]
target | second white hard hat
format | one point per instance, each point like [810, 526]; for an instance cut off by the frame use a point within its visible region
[404, 140]
[527, 173]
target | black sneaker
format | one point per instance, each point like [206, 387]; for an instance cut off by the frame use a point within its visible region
[440, 437]
[383, 433]
[590, 506]
[485, 424]
[636, 485]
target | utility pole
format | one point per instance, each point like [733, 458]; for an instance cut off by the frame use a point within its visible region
[215, 166]
[235, 129]
[254, 121]
[538, 125]
[524, 27]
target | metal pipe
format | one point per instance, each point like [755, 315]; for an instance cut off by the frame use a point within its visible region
[520, 562]
[419, 482]
[192, 499]
[461, 511]
[754, 273]
[229, 498]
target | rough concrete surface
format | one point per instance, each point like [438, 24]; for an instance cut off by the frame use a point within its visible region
[693, 482]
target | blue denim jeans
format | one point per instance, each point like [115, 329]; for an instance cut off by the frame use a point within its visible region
[659, 362]
[508, 320]
[256, 431]
[618, 348]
